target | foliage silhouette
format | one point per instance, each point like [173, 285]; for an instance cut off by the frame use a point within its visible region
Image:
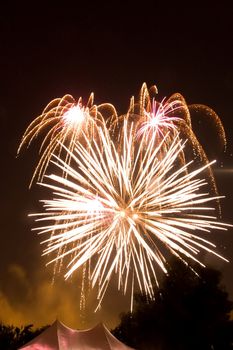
[189, 312]
[12, 338]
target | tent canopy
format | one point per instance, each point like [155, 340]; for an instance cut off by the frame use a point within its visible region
[60, 337]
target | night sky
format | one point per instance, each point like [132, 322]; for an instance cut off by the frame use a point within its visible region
[49, 51]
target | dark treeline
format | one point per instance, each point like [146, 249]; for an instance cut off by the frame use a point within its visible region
[12, 338]
[189, 312]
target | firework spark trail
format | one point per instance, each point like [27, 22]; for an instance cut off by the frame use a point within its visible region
[160, 118]
[159, 115]
[117, 206]
[65, 121]
[126, 195]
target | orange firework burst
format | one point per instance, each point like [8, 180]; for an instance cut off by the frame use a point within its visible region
[65, 120]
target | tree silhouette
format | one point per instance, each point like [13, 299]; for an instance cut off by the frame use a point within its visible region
[189, 312]
[12, 338]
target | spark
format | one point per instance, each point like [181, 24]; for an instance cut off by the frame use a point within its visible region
[175, 115]
[64, 120]
[75, 115]
[123, 209]
[158, 120]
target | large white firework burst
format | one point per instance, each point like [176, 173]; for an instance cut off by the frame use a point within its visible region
[120, 208]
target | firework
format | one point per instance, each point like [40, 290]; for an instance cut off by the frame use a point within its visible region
[65, 121]
[158, 120]
[174, 115]
[122, 209]
[125, 194]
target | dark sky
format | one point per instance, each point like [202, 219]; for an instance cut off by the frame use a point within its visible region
[48, 51]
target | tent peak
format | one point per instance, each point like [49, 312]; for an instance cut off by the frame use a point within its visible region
[60, 337]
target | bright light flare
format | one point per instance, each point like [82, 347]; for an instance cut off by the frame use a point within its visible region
[75, 115]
